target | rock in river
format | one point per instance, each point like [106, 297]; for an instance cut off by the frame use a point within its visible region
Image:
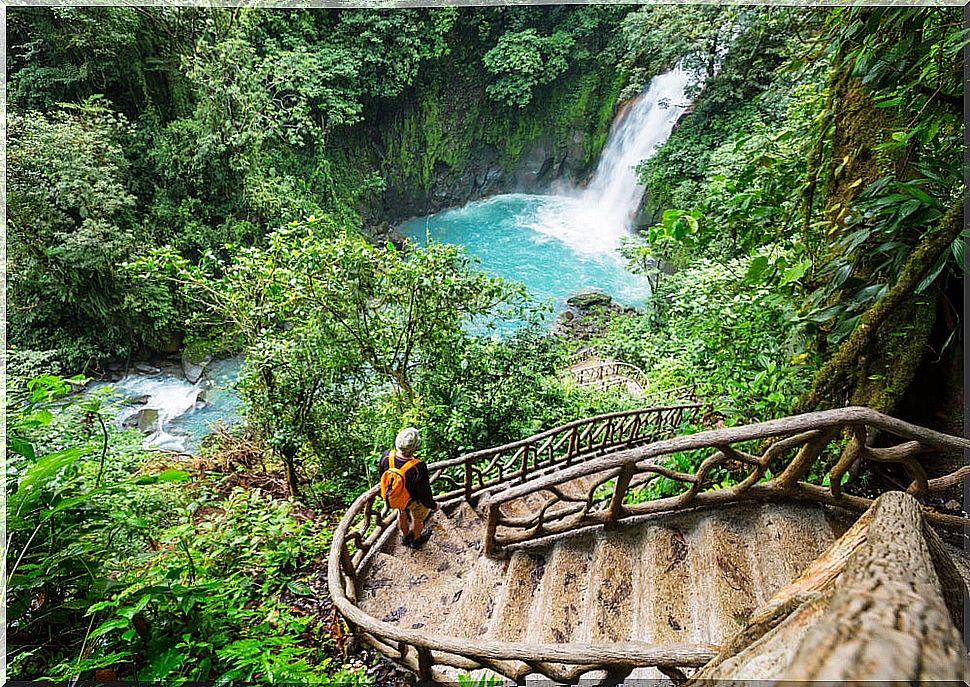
[589, 298]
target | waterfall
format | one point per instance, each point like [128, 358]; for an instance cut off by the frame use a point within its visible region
[592, 220]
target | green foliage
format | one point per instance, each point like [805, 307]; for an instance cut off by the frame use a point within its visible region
[339, 333]
[522, 61]
[738, 342]
[73, 512]
[490, 392]
[210, 601]
[70, 226]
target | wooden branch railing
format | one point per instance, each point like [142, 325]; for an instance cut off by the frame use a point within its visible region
[616, 456]
[366, 524]
[798, 442]
[607, 372]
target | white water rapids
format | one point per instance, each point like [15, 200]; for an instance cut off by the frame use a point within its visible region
[592, 220]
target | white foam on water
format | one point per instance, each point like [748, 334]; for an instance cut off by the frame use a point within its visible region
[594, 219]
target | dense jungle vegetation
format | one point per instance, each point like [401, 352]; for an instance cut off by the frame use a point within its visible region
[213, 180]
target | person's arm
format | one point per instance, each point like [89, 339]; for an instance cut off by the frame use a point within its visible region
[420, 489]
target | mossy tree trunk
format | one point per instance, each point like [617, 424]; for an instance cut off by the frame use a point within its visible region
[878, 361]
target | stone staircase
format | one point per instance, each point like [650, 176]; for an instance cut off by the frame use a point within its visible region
[689, 577]
[713, 582]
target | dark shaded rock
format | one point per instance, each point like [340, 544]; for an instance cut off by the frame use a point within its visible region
[138, 400]
[193, 365]
[146, 369]
[147, 420]
[589, 298]
[172, 343]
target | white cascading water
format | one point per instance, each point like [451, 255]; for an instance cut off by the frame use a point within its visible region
[183, 416]
[594, 219]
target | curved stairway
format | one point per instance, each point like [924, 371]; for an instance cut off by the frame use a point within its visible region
[690, 578]
[546, 560]
[588, 369]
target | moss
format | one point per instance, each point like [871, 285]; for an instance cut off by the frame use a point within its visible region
[452, 116]
[882, 381]
[870, 350]
[858, 129]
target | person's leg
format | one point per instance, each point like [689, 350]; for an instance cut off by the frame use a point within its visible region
[403, 522]
[417, 526]
[418, 515]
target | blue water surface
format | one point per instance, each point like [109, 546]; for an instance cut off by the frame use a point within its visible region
[546, 242]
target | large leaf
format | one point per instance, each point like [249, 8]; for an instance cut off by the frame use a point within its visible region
[21, 447]
[30, 488]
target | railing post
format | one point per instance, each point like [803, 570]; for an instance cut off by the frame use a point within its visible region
[525, 462]
[350, 586]
[424, 664]
[619, 492]
[491, 526]
[468, 479]
[607, 435]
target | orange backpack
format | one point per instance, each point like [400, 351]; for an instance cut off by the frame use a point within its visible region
[394, 488]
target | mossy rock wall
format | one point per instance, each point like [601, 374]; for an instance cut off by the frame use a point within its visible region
[447, 144]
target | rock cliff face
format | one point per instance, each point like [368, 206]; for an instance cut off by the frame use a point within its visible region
[543, 162]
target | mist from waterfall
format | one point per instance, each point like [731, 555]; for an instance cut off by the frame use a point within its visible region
[592, 220]
[559, 244]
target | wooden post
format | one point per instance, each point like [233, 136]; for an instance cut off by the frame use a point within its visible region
[424, 664]
[491, 525]
[348, 568]
[619, 492]
[607, 434]
[635, 428]
[468, 480]
[525, 462]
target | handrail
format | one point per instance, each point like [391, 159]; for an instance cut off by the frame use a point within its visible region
[808, 434]
[606, 369]
[362, 528]
[618, 450]
[517, 460]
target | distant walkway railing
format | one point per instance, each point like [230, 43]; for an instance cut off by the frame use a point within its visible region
[604, 372]
[798, 442]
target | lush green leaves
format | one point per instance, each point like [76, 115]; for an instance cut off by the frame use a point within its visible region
[523, 61]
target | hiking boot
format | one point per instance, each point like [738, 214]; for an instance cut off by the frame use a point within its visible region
[419, 542]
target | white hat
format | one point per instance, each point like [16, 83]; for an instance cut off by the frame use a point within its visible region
[408, 440]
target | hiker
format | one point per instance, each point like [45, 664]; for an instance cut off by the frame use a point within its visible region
[406, 487]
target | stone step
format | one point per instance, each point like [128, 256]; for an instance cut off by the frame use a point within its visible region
[691, 577]
[611, 602]
[446, 550]
[467, 524]
[783, 539]
[558, 612]
[667, 601]
[483, 589]
[523, 584]
[407, 593]
[726, 585]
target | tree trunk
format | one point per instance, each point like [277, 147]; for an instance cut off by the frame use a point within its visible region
[875, 365]
[289, 467]
[879, 605]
